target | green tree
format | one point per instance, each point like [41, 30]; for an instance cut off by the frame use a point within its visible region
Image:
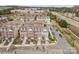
[63, 23]
[6, 11]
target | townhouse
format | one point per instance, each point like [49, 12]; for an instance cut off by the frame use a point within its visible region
[29, 26]
[9, 30]
[33, 30]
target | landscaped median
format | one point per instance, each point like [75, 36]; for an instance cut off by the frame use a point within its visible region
[52, 39]
[72, 39]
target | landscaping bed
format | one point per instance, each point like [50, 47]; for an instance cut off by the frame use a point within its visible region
[42, 41]
[27, 42]
[34, 41]
[0, 41]
[17, 41]
[6, 43]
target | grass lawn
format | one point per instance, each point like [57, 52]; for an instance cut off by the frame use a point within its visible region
[69, 38]
[17, 41]
[27, 42]
[72, 41]
[52, 40]
[0, 41]
[6, 43]
[35, 42]
[42, 41]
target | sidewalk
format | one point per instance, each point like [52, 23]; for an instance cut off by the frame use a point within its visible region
[24, 41]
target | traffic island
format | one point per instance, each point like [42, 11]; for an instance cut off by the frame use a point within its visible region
[51, 39]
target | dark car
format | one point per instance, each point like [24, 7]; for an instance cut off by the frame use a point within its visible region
[60, 35]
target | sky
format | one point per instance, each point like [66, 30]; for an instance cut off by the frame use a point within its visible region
[54, 5]
[63, 5]
[57, 3]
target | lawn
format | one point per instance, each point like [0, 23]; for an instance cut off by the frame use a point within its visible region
[17, 41]
[6, 43]
[27, 42]
[35, 42]
[0, 41]
[42, 41]
[72, 41]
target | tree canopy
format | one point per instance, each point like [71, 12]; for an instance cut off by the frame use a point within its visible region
[63, 23]
[5, 11]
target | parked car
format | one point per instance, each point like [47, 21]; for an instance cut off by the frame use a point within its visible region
[60, 35]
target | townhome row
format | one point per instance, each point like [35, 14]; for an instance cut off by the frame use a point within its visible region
[26, 26]
[33, 30]
[9, 30]
[33, 17]
[30, 11]
[28, 30]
